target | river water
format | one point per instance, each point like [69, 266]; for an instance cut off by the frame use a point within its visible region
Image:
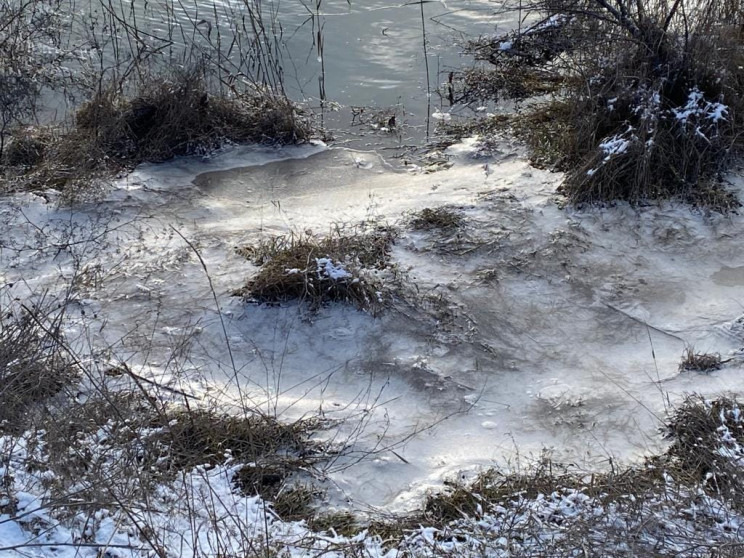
[355, 63]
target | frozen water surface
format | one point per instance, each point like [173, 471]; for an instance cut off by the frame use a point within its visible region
[534, 326]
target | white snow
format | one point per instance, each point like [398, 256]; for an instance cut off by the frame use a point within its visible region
[698, 106]
[335, 271]
[439, 115]
[616, 145]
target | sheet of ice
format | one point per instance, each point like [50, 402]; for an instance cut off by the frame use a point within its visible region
[534, 326]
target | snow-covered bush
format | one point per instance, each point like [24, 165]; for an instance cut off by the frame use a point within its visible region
[652, 93]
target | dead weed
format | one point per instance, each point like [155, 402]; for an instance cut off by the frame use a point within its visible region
[346, 266]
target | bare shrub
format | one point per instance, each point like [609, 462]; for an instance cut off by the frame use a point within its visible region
[343, 266]
[651, 94]
[33, 367]
[30, 54]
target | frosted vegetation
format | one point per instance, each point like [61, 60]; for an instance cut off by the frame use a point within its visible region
[222, 337]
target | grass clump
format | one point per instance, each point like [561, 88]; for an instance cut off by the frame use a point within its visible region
[650, 99]
[708, 445]
[700, 362]
[294, 503]
[342, 523]
[155, 121]
[27, 148]
[179, 115]
[138, 443]
[547, 133]
[196, 437]
[441, 218]
[344, 266]
[33, 368]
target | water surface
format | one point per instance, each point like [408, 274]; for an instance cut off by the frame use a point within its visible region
[335, 56]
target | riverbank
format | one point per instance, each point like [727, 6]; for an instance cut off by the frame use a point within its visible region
[509, 325]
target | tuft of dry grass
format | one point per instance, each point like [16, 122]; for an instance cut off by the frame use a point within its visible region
[33, 368]
[342, 523]
[192, 437]
[547, 132]
[27, 148]
[705, 436]
[441, 218]
[294, 503]
[699, 362]
[342, 266]
[179, 115]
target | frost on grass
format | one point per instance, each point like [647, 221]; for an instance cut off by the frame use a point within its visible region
[137, 476]
[347, 266]
[686, 502]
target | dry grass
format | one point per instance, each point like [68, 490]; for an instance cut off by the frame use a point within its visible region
[548, 134]
[33, 368]
[343, 523]
[344, 266]
[449, 133]
[165, 118]
[295, 503]
[179, 116]
[137, 443]
[508, 82]
[440, 218]
[27, 148]
[387, 119]
[195, 437]
[702, 432]
[649, 105]
[699, 362]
